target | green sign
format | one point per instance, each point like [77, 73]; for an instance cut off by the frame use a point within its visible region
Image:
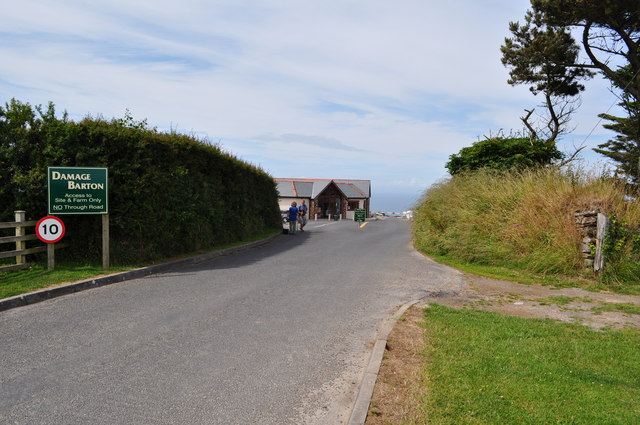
[359, 214]
[78, 190]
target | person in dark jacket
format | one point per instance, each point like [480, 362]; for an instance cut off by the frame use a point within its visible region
[293, 218]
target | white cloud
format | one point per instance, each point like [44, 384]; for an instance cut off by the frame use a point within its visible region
[351, 89]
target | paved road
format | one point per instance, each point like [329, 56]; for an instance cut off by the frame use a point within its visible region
[279, 334]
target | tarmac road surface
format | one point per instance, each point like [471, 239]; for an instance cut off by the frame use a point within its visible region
[278, 334]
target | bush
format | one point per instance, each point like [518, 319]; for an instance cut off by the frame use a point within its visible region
[169, 193]
[621, 248]
[501, 153]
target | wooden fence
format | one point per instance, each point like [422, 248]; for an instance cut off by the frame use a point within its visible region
[20, 239]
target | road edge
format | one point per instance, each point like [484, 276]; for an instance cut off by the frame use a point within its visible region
[365, 393]
[82, 285]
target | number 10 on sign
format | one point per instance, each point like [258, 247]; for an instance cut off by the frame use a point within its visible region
[50, 229]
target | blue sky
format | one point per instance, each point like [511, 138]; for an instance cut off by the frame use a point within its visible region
[350, 89]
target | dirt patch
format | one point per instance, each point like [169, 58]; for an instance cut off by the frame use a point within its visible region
[398, 382]
[399, 379]
[535, 301]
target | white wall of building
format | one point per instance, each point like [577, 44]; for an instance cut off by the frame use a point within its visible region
[285, 203]
[351, 214]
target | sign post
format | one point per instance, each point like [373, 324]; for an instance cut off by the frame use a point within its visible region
[50, 230]
[81, 190]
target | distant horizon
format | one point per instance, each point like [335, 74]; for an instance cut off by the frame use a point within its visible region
[394, 202]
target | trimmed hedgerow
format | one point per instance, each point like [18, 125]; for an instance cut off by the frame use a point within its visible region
[169, 193]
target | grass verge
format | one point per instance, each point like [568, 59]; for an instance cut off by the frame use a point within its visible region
[529, 278]
[38, 277]
[485, 368]
[526, 221]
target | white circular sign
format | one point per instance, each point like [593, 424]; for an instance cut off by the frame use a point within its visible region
[50, 229]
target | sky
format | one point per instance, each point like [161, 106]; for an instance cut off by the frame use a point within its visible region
[347, 89]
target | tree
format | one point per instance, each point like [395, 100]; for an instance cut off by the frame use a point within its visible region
[502, 153]
[537, 55]
[18, 123]
[610, 37]
[624, 149]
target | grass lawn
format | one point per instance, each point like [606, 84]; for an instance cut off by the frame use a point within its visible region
[486, 368]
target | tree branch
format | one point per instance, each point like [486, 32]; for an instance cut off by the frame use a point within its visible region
[554, 122]
[608, 72]
[587, 47]
[572, 157]
[532, 133]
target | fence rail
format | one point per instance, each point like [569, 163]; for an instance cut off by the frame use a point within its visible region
[10, 224]
[20, 239]
[7, 239]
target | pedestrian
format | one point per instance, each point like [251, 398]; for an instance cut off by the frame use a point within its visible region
[302, 215]
[293, 217]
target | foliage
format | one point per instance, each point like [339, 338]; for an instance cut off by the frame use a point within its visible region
[624, 149]
[540, 55]
[622, 250]
[523, 220]
[619, 237]
[609, 32]
[610, 35]
[169, 193]
[501, 153]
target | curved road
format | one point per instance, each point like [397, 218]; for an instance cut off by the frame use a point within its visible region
[278, 334]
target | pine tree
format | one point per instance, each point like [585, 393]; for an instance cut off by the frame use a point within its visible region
[610, 38]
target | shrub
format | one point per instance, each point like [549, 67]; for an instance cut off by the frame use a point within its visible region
[504, 153]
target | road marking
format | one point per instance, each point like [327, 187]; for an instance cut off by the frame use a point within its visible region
[364, 224]
[326, 224]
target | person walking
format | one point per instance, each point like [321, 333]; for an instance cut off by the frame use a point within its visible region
[302, 215]
[293, 218]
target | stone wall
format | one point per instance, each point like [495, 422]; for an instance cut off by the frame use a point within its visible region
[591, 226]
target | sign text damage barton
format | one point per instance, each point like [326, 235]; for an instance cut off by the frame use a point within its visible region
[71, 179]
[78, 190]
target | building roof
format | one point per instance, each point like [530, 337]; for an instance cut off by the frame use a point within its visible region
[311, 188]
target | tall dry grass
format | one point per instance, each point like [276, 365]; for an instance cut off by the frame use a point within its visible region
[523, 219]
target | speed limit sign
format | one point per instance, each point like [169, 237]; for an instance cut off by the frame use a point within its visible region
[50, 229]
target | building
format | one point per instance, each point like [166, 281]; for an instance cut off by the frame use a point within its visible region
[326, 197]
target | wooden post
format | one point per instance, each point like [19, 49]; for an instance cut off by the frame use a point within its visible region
[603, 224]
[105, 242]
[20, 231]
[51, 256]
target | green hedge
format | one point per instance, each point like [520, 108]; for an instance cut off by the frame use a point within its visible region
[169, 194]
